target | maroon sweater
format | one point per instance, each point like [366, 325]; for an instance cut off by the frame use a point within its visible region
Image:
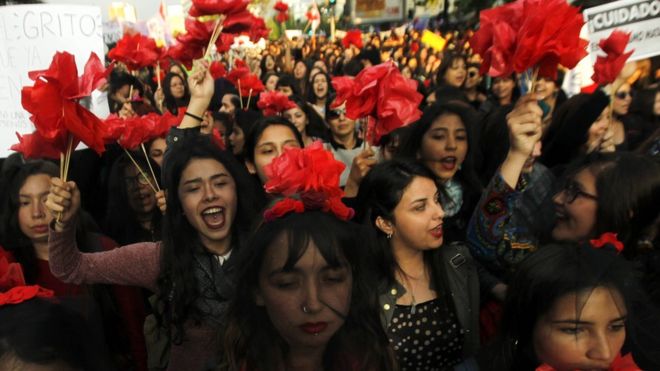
[133, 265]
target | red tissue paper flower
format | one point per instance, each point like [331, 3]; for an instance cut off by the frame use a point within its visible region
[131, 132]
[273, 103]
[239, 71]
[382, 92]
[35, 146]
[607, 239]
[246, 23]
[12, 282]
[282, 11]
[136, 51]
[217, 70]
[217, 139]
[309, 176]
[53, 101]
[353, 37]
[20, 294]
[607, 68]
[11, 274]
[250, 85]
[495, 41]
[530, 34]
[215, 7]
[192, 44]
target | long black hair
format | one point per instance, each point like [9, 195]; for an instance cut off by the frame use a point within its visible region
[171, 103]
[251, 340]
[121, 222]
[316, 126]
[549, 274]
[177, 285]
[253, 136]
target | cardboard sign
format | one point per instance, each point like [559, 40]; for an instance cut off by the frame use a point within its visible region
[29, 37]
[639, 17]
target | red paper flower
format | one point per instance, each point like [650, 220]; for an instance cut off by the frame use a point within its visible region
[169, 120]
[273, 103]
[495, 41]
[246, 23]
[141, 129]
[282, 11]
[308, 178]
[35, 146]
[215, 7]
[607, 239]
[381, 92]
[136, 51]
[239, 71]
[52, 101]
[186, 53]
[217, 70]
[250, 85]
[353, 37]
[11, 274]
[607, 68]
[549, 35]
[20, 294]
[529, 34]
[113, 127]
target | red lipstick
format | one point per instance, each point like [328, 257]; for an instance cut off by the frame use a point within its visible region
[314, 327]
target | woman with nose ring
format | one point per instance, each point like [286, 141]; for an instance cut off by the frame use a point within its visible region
[307, 305]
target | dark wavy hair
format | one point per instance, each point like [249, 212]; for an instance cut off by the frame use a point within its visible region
[177, 285]
[448, 62]
[252, 342]
[171, 103]
[628, 189]
[551, 273]
[380, 192]
[316, 126]
[121, 223]
[311, 97]
[466, 175]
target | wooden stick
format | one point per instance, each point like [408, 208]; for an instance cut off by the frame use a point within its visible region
[65, 159]
[158, 73]
[240, 96]
[247, 107]
[217, 30]
[144, 150]
[535, 74]
[140, 170]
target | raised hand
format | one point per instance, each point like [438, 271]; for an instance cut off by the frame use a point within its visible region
[161, 201]
[525, 126]
[63, 202]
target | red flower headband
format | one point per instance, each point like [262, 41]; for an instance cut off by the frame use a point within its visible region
[309, 180]
[274, 103]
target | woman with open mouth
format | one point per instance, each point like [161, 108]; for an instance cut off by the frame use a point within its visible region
[209, 210]
[429, 289]
[443, 141]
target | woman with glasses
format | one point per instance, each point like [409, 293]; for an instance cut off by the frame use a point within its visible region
[472, 88]
[132, 215]
[602, 192]
[620, 118]
[344, 142]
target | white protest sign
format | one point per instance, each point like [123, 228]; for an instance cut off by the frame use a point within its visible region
[29, 37]
[639, 17]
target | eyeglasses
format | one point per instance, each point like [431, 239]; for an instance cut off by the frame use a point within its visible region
[572, 190]
[623, 94]
[338, 112]
[132, 181]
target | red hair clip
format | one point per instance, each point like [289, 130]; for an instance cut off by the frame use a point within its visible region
[12, 280]
[608, 238]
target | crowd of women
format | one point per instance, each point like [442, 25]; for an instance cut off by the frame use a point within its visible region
[500, 231]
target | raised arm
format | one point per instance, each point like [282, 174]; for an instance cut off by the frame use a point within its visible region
[133, 265]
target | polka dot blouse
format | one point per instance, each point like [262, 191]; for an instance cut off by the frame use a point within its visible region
[428, 338]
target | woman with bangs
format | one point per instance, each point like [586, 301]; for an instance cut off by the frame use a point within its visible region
[209, 211]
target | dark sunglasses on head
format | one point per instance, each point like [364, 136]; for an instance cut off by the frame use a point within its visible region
[337, 112]
[472, 74]
[623, 94]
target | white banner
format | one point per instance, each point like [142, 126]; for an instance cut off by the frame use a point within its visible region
[29, 37]
[639, 17]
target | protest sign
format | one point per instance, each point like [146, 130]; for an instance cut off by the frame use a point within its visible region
[639, 17]
[29, 37]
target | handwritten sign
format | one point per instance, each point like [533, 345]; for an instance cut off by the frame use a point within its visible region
[29, 37]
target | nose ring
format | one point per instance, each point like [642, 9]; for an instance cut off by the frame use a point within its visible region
[305, 309]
